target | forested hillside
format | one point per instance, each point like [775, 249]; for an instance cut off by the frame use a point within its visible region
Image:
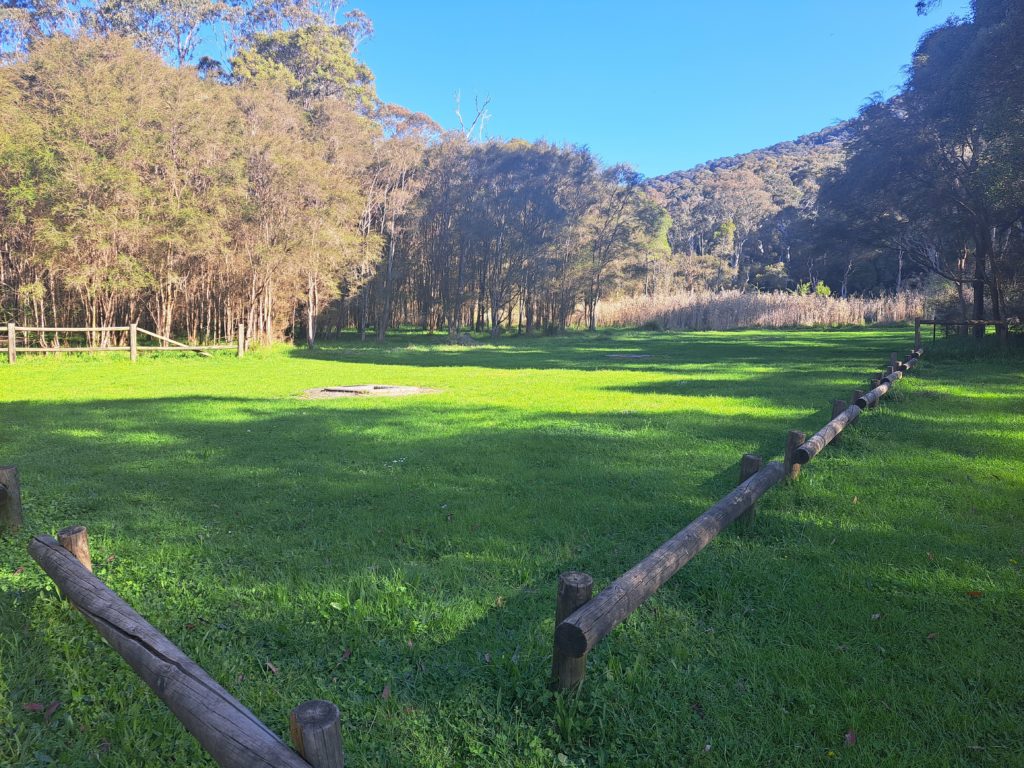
[142, 178]
[746, 219]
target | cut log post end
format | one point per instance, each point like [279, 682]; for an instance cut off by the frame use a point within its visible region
[10, 500]
[75, 539]
[750, 465]
[569, 666]
[794, 440]
[316, 734]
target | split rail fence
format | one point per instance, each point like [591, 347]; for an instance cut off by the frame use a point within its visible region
[105, 332]
[583, 621]
[235, 738]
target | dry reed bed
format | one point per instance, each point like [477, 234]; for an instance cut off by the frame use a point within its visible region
[719, 311]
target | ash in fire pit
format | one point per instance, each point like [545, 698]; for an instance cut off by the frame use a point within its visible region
[366, 390]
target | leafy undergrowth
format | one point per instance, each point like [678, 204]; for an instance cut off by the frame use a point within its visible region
[398, 556]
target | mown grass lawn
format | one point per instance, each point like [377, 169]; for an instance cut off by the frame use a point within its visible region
[398, 556]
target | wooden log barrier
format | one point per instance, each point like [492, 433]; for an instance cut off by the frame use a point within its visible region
[586, 627]
[794, 439]
[75, 539]
[870, 398]
[838, 406]
[574, 591]
[316, 734]
[750, 465]
[808, 450]
[233, 735]
[10, 500]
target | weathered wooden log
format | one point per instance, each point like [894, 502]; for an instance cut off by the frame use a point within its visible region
[316, 734]
[794, 439]
[811, 448]
[750, 465]
[870, 399]
[232, 734]
[10, 500]
[574, 591]
[838, 406]
[893, 376]
[586, 627]
[75, 539]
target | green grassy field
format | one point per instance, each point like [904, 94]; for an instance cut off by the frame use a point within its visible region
[398, 556]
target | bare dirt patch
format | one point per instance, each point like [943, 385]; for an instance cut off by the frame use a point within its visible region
[366, 390]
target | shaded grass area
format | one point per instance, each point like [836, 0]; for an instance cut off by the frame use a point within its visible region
[398, 556]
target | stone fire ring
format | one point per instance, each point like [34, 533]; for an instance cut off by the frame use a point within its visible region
[366, 390]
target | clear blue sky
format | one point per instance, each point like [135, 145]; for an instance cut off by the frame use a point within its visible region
[661, 85]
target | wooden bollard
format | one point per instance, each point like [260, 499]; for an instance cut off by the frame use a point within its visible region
[750, 465]
[12, 343]
[574, 590]
[857, 394]
[794, 440]
[838, 406]
[917, 333]
[10, 500]
[894, 360]
[241, 340]
[133, 342]
[316, 734]
[75, 539]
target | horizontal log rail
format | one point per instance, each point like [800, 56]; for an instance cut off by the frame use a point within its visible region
[232, 735]
[826, 435]
[591, 620]
[585, 628]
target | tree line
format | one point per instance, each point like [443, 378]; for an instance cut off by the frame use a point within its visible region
[920, 190]
[142, 181]
[195, 165]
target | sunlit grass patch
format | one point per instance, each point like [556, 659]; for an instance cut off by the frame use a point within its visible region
[413, 544]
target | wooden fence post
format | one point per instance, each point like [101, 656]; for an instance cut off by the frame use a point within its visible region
[10, 500]
[316, 734]
[75, 539]
[574, 590]
[894, 360]
[241, 340]
[838, 407]
[857, 394]
[12, 343]
[917, 333]
[750, 465]
[133, 341]
[794, 440]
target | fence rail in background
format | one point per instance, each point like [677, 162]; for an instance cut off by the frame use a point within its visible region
[167, 344]
[1002, 328]
[232, 735]
[591, 620]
